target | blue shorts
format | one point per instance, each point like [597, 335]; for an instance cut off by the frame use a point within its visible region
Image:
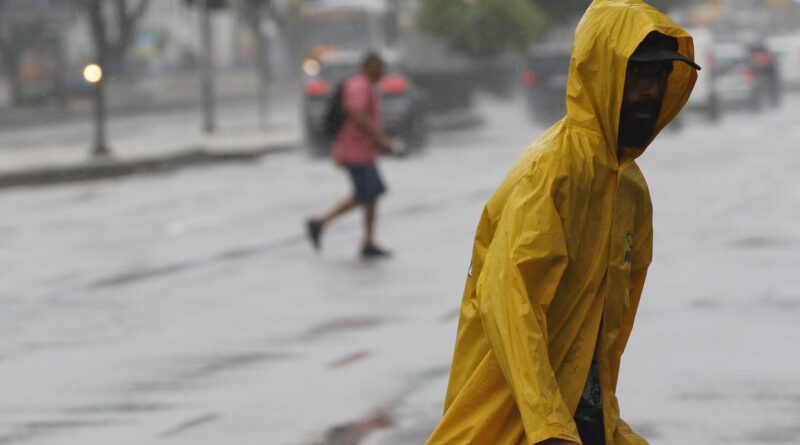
[367, 182]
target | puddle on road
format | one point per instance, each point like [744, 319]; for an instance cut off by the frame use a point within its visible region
[354, 433]
[114, 408]
[706, 303]
[647, 430]
[134, 276]
[349, 359]
[776, 434]
[189, 424]
[450, 315]
[762, 242]
[703, 396]
[340, 325]
[29, 431]
[781, 302]
[182, 373]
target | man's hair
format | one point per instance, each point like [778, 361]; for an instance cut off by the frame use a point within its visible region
[371, 58]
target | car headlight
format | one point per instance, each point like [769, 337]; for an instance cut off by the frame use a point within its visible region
[311, 67]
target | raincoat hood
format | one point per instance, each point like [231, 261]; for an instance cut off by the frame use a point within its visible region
[606, 37]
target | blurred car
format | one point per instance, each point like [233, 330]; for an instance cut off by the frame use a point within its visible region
[402, 104]
[763, 62]
[545, 81]
[704, 97]
[736, 79]
[787, 52]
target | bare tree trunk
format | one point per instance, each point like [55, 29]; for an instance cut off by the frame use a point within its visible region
[254, 19]
[60, 74]
[98, 25]
[207, 67]
[9, 52]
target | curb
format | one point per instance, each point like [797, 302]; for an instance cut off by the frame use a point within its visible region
[108, 169]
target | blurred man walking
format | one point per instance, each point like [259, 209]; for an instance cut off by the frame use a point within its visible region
[356, 149]
[563, 246]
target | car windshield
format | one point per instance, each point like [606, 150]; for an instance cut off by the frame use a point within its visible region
[727, 64]
[342, 30]
[338, 72]
[729, 56]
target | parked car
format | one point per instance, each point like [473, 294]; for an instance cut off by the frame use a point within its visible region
[787, 52]
[763, 62]
[545, 81]
[736, 79]
[403, 107]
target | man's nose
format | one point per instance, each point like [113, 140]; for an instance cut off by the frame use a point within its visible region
[650, 87]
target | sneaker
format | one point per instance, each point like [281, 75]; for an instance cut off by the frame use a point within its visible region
[314, 230]
[371, 251]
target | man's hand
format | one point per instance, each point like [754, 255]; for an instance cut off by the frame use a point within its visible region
[384, 144]
[557, 442]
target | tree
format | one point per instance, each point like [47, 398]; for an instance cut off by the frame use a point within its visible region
[482, 28]
[109, 50]
[9, 51]
[252, 12]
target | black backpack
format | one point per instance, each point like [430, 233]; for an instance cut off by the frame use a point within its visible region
[335, 115]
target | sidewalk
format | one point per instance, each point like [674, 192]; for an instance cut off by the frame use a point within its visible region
[64, 163]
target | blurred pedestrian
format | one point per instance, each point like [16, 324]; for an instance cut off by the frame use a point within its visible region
[765, 66]
[356, 149]
[563, 246]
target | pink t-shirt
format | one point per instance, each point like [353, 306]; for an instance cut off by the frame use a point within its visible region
[353, 146]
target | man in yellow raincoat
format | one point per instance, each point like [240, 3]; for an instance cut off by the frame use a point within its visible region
[563, 246]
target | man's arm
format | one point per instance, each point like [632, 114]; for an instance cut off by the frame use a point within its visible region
[523, 267]
[376, 134]
[642, 256]
[357, 95]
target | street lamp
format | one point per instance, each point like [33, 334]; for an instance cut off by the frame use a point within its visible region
[93, 73]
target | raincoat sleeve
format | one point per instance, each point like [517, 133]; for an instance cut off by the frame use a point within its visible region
[523, 266]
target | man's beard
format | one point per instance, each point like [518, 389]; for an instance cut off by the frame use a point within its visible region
[636, 131]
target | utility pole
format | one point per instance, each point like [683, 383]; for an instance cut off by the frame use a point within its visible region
[207, 68]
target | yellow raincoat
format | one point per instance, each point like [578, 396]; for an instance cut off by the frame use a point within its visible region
[560, 254]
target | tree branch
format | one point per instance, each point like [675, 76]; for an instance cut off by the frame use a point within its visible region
[127, 25]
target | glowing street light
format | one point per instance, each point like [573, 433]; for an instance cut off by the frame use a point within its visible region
[93, 73]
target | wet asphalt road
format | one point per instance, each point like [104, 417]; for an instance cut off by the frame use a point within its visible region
[189, 308]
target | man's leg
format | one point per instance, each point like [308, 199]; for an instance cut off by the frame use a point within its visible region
[369, 223]
[314, 226]
[370, 250]
[340, 209]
